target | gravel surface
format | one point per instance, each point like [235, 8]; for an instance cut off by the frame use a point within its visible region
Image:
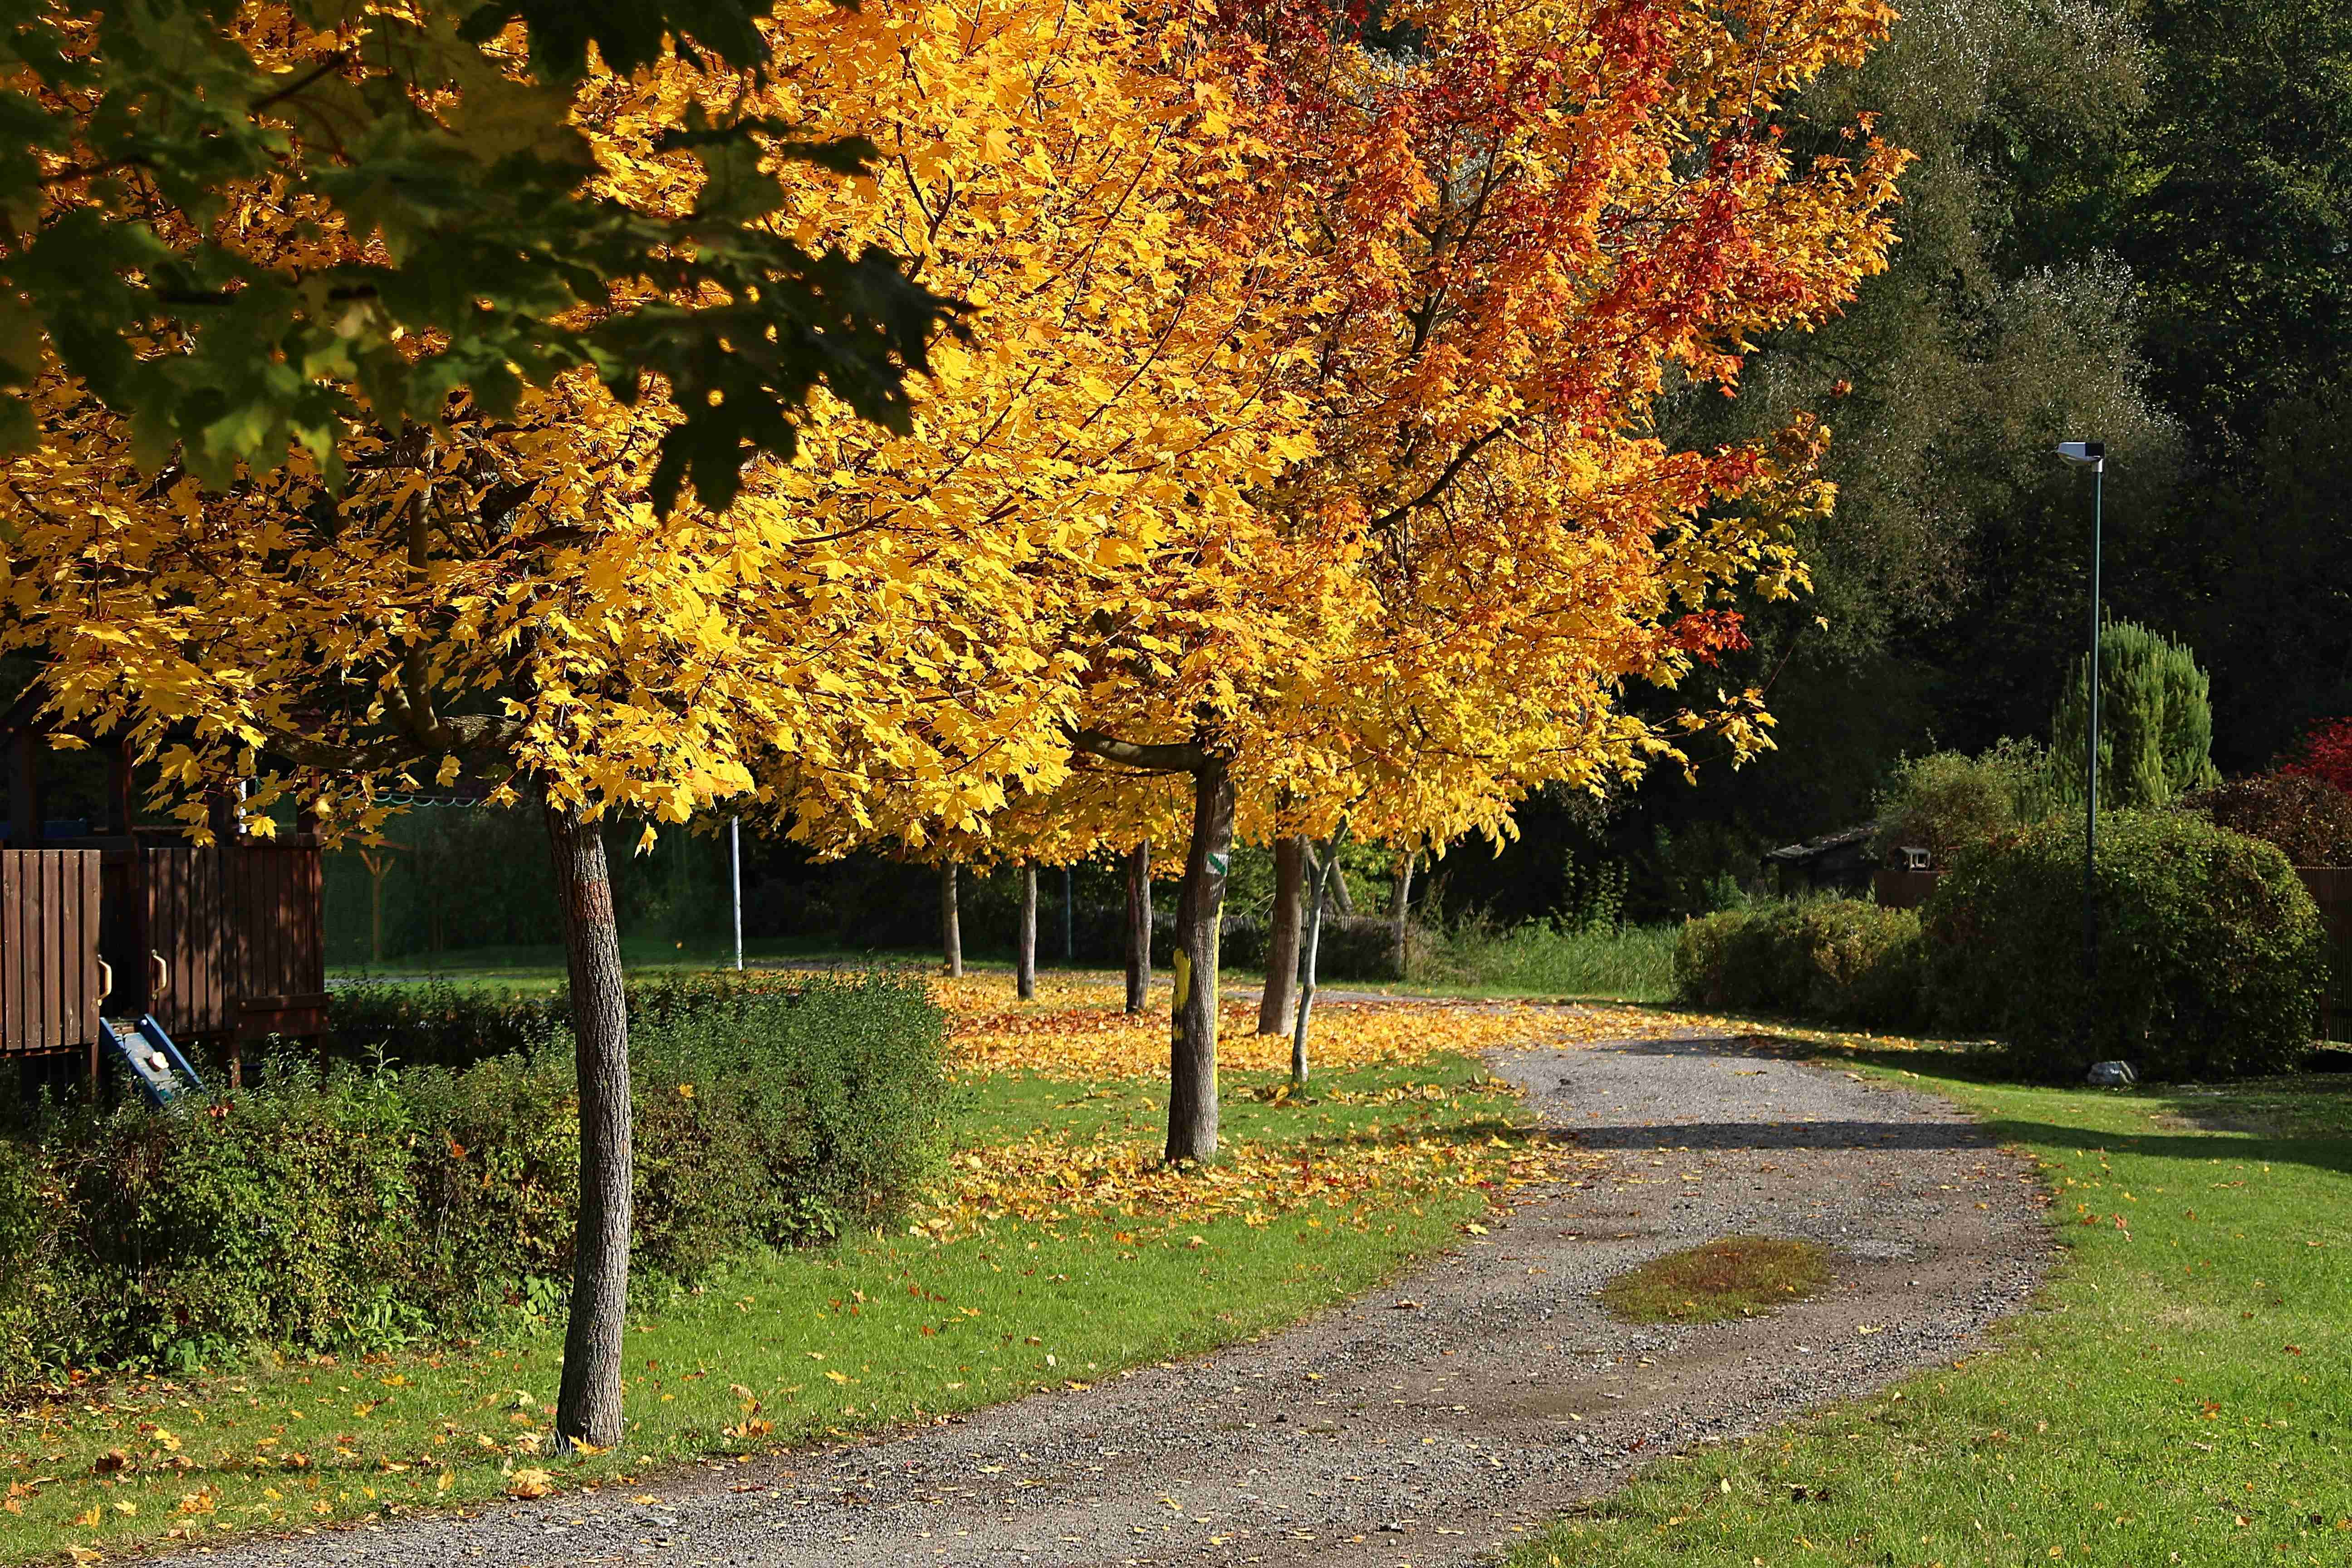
[1423, 1424]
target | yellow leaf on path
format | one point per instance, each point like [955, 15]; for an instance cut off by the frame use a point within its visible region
[529, 1484]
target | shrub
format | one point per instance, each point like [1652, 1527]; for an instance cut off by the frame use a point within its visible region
[1946, 801]
[2326, 755]
[1839, 960]
[336, 1207]
[1560, 957]
[435, 1024]
[2155, 723]
[2210, 953]
[2308, 818]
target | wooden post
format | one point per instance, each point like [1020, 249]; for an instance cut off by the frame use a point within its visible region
[951, 921]
[1024, 951]
[1139, 925]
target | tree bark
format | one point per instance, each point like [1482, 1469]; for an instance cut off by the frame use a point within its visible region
[1341, 901]
[1192, 1031]
[1399, 925]
[1278, 1006]
[950, 925]
[1139, 925]
[1024, 954]
[588, 1407]
[1326, 871]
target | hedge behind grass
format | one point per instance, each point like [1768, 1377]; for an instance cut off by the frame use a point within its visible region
[1841, 960]
[2210, 950]
[354, 1209]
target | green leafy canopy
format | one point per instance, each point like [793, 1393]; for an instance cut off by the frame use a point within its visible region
[136, 123]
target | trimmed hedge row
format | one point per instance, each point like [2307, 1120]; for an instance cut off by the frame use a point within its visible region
[362, 1209]
[1841, 960]
[2210, 950]
[2210, 953]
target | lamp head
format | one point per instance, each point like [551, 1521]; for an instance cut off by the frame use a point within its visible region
[2084, 454]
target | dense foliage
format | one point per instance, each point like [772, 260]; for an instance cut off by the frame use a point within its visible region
[2155, 723]
[2210, 950]
[1841, 960]
[1946, 801]
[2310, 820]
[355, 1208]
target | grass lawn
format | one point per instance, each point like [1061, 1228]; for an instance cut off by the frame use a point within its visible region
[781, 1349]
[2185, 1395]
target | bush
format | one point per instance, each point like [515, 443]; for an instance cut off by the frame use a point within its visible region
[1946, 801]
[343, 1208]
[2210, 952]
[1559, 957]
[2155, 723]
[1842, 961]
[2308, 818]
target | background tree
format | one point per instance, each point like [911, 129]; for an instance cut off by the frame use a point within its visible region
[2155, 724]
[143, 141]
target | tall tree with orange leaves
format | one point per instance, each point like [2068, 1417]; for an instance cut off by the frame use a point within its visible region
[1521, 222]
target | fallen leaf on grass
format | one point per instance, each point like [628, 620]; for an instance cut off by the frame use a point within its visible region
[529, 1484]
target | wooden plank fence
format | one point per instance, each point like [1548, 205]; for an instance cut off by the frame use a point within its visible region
[49, 978]
[2331, 888]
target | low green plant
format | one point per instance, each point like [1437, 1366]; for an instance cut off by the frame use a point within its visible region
[337, 1207]
[1836, 959]
[2210, 954]
[1548, 958]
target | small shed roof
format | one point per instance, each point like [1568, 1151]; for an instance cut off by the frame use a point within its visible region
[1827, 844]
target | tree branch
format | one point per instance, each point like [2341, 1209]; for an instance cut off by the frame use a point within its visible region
[1159, 759]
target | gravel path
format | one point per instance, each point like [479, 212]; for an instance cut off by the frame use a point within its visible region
[1428, 1422]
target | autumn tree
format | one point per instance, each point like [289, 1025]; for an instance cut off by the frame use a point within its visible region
[496, 589]
[1520, 222]
[482, 253]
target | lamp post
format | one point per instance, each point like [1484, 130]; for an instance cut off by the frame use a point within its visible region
[735, 882]
[2091, 455]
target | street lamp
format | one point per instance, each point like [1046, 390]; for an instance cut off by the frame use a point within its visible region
[2091, 455]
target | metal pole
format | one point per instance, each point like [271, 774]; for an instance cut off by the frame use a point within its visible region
[735, 880]
[2090, 752]
[1069, 921]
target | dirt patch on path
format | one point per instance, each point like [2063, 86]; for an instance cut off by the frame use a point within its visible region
[1421, 1425]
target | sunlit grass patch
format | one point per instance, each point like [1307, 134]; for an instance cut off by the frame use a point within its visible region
[1732, 1277]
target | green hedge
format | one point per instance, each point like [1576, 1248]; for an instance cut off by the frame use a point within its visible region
[2209, 952]
[1841, 960]
[362, 1209]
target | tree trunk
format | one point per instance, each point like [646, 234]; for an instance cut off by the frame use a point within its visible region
[1326, 871]
[1139, 925]
[1025, 953]
[950, 926]
[1193, 1034]
[1279, 1003]
[1400, 926]
[1341, 901]
[588, 1407]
